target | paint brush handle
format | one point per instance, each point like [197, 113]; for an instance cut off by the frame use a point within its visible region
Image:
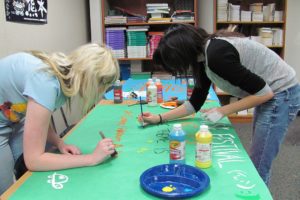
[115, 151]
[141, 105]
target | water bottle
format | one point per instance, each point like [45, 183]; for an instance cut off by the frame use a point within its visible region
[118, 93]
[177, 144]
[203, 147]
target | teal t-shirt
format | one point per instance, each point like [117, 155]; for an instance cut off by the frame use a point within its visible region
[21, 77]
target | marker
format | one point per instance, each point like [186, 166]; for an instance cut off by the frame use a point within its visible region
[115, 152]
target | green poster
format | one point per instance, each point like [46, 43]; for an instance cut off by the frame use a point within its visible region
[232, 175]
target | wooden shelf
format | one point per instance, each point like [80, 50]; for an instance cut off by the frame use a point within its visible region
[149, 23]
[139, 8]
[234, 118]
[222, 94]
[250, 22]
[275, 46]
[250, 28]
[128, 59]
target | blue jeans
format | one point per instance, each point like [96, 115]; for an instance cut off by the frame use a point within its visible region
[270, 125]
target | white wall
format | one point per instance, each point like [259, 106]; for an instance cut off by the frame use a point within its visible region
[292, 39]
[292, 45]
[206, 15]
[67, 28]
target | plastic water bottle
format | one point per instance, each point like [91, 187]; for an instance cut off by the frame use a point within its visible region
[152, 92]
[159, 86]
[203, 147]
[177, 144]
[190, 88]
[118, 93]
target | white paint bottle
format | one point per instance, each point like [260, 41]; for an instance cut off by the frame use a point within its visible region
[152, 94]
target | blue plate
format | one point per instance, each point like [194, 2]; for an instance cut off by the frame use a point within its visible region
[174, 181]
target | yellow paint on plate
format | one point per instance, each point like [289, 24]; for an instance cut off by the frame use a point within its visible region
[168, 188]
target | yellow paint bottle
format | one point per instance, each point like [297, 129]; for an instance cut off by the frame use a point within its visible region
[203, 147]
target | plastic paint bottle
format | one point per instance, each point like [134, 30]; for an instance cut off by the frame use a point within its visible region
[203, 147]
[147, 85]
[190, 88]
[159, 86]
[118, 93]
[177, 144]
[152, 93]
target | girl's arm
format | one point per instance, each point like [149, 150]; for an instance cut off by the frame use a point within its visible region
[35, 136]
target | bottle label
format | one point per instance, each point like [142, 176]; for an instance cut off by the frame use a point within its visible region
[203, 152]
[189, 93]
[118, 94]
[177, 150]
[159, 95]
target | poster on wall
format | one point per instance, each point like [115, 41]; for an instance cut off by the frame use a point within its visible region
[29, 11]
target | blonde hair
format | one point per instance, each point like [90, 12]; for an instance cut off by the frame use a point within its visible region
[88, 72]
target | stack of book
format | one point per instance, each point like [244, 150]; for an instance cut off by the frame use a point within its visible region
[268, 12]
[222, 10]
[154, 41]
[277, 36]
[257, 12]
[158, 12]
[115, 39]
[137, 41]
[234, 12]
[115, 20]
[245, 15]
[135, 19]
[182, 16]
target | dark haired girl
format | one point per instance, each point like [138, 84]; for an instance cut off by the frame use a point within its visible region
[242, 68]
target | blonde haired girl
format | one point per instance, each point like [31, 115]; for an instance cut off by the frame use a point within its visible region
[32, 86]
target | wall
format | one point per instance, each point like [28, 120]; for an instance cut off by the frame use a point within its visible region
[68, 27]
[293, 35]
[292, 46]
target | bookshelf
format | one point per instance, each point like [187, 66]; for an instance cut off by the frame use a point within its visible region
[260, 20]
[136, 55]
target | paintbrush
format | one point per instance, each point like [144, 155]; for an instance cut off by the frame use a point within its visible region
[115, 152]
[141, 105]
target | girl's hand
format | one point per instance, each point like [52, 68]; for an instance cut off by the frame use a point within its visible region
[148, 118]
[212, 115]
[103, 149]
[68, 149]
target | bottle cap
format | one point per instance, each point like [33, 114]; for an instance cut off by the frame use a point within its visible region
[149, 79]
[177, 126]
[203, 128]
[158, 80]
[191, 81]
[118, 82]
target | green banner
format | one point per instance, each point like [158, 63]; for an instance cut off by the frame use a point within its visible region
[232, 174]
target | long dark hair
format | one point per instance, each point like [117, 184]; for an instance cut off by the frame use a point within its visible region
[179, 49]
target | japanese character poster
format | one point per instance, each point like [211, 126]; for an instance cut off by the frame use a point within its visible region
[32, 11]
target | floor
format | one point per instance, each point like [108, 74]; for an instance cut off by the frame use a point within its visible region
[285, 180]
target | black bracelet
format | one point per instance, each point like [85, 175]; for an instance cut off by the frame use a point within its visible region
[160, 119]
